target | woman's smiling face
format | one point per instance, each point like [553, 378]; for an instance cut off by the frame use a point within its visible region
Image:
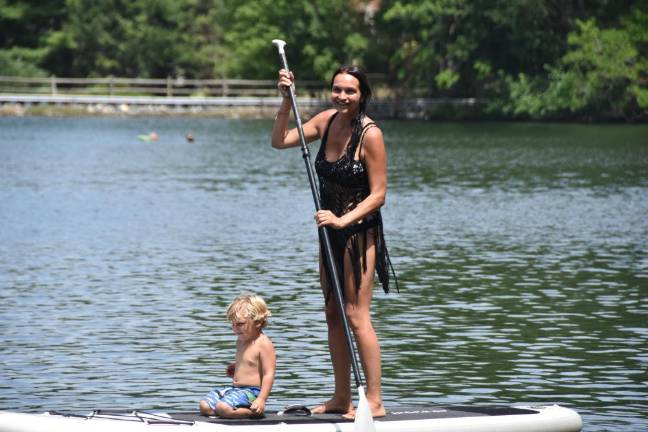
[345, 93]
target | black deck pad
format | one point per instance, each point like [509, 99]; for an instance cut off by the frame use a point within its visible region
[393, 414]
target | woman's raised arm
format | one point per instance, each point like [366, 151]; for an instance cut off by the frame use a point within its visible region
[282, 137]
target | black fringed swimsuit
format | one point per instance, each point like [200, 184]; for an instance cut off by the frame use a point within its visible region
[343, 184]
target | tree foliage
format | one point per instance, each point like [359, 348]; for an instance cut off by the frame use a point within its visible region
[24, 26]
[319, 35]
[527, 58]
[601, 73]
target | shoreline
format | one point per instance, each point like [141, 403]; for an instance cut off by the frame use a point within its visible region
[262, 108]
[15, 105]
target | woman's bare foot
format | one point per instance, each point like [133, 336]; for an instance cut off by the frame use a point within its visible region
[377, 410]
[333, 406]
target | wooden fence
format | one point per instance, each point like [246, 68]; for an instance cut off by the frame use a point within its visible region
[169, 87]
[250, 97]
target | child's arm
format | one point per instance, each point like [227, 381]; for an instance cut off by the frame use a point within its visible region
[268, 359]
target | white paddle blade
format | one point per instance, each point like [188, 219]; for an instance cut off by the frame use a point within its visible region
[363, 418]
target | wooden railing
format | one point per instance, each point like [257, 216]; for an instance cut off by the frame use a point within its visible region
[218, 94]
[169, 87]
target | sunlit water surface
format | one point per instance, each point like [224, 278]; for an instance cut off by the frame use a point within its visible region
[521, 250]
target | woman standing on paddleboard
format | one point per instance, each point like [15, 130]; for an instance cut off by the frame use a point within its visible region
[351, 168]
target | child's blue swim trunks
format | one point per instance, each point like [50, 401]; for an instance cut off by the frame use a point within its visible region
[236, 397]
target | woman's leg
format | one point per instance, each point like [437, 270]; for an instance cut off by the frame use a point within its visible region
[341, 400]
[358, 310]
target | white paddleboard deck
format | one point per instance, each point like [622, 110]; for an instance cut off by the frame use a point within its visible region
[552, 418]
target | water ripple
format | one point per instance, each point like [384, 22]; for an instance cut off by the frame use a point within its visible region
[520, 250]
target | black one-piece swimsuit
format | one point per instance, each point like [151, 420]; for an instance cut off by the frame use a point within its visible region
[343, 184]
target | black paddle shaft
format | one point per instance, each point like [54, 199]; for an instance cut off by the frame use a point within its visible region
[331, 265]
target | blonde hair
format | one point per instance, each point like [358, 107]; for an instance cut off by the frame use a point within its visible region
[251, 307]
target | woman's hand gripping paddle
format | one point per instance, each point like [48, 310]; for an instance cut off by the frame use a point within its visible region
[363, 418]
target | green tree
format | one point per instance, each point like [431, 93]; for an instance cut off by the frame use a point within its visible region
[319, 36]
[146, 38]
[461, 47]
[602, 75]
[453, 46]
[528, 58]
[139, 38]
[205, 57]
[24, 28]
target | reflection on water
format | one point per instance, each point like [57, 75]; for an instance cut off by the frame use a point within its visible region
[521, 249]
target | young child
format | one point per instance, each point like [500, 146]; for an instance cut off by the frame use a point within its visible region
[253, 371]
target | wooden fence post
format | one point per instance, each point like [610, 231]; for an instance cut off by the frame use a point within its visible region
[53, 85]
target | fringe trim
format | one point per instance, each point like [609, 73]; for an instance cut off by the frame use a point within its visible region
[354, 241]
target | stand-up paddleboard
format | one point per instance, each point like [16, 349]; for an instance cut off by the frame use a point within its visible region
[552, 418]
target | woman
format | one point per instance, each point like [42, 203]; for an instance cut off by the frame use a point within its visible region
[351, 167]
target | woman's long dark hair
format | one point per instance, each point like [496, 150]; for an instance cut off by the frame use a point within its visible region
[365, 96]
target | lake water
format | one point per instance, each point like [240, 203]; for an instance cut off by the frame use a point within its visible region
[521, 249]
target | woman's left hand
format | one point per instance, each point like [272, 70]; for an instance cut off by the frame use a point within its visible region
[327, 218]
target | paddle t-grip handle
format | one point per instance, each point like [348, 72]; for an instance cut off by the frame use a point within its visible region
[280, 45]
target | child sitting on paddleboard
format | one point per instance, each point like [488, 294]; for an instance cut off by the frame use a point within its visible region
[253, 371]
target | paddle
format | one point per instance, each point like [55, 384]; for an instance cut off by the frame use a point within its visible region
[363, 419]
